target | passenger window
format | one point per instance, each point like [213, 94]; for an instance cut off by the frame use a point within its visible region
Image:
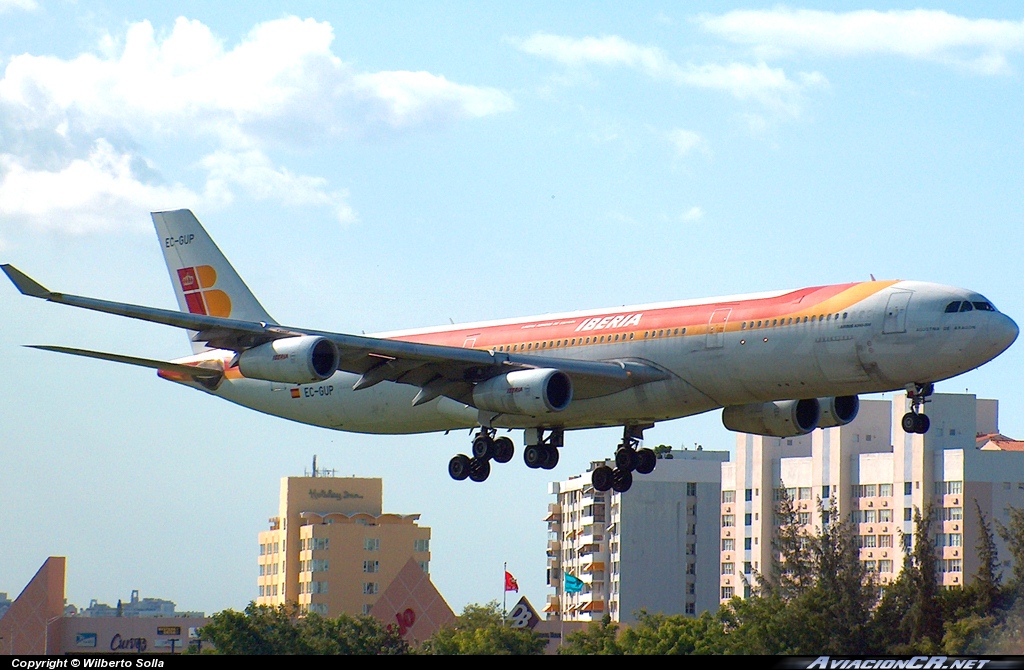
[953, 307]
[966, 307]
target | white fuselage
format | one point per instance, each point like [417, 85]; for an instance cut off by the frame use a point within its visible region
[816, 342]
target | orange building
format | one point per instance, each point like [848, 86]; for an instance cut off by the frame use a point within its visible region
[332, 550]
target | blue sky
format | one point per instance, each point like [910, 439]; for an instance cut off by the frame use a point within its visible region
[373, 166]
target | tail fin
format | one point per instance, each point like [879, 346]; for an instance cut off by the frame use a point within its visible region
[203, 279]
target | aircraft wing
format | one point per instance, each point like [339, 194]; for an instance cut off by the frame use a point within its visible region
[437, 370]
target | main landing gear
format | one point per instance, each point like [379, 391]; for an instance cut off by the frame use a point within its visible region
[485, 447]
[627, 459]
[914, 421]
[542, 452]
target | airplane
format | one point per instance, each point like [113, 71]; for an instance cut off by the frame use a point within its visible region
[779, 364]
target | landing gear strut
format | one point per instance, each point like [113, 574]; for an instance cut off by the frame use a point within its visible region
[915, 421]
[540, 451]
[485, 447]
[627, 459]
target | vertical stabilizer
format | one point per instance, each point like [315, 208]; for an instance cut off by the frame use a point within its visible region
[204, 281]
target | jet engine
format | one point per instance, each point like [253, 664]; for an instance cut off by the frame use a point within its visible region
[838, 411]
[782, 418]
[291, 360]
[530, 392]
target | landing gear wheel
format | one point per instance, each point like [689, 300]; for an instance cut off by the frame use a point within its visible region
[483, 446]
[458, 467]
[621, 480]
[503, 450]
[601, 477]
[923, 423]
[479, 469]
[533, 455]
[915, 423]
[550, 459]
[625, 459]
[646, 460]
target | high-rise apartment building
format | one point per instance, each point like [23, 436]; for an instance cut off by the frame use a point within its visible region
[331, 549]
[876, 474]
[654, 547]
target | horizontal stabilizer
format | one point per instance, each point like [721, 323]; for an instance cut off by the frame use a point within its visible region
[190, 370]
[24, 283]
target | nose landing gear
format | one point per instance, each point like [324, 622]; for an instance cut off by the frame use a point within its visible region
[627, 460]
[915, 421]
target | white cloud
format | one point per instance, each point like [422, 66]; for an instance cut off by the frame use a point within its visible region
[693, 214]
[935, 35]
[96, 193]
[280, 86]
[759, 82]
[254, 172]
[686, 141]
[9, 5]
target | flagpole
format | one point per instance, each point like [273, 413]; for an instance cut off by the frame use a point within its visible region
[504, 592]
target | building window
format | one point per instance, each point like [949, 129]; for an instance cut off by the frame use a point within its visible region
[746, 567]
[425, 566]
[371, 566]
[908, 514]
[748, 519]
[370, 588]
[805, 493]
[952, 513]
[691, 488]
[727, 497]
[320, 543]
[805, 518]
[868, 541]
[727, 592]
[885, 515]
[728, 544]
[885, 490]
[691, 608]
[746, 543]
[366, 609]
[728, 568]
[421, 545]
[371, 544]
[728, 521]
[885, 541]
[885, 565]
[908, 488]
[691, 568]
[748, 495]
[952, 565]
[952, 488]
[824, 492]
[691, 588]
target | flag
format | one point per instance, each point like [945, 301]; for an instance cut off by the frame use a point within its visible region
[573, 584]
[510, 582]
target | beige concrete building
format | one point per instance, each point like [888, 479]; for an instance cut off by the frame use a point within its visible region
[332, 550]
[877, 473]
[654, 547]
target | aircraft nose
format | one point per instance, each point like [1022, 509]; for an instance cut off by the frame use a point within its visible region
[1002, 333]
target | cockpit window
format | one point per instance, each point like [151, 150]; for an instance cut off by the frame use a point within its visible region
[953, 307]
[984, 306]
[966, 306]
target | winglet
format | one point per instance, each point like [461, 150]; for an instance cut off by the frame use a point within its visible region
[24, 283]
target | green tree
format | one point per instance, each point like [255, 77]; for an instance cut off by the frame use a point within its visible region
[597, 639]
[986, 585]
[661, 635]
[481, 631]
[281, 630]
[791, 571]
[909, 617]
[1013, 535]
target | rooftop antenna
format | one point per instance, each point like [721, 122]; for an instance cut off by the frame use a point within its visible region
[314, 465]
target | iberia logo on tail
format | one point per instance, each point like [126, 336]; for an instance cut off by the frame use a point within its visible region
[200, 296]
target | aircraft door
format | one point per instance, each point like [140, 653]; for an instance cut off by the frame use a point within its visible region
[716, 328]
[896, 312]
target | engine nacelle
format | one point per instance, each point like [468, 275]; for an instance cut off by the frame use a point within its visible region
[782, 418]
[838, 411]
[291, 360]
[530, 392]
